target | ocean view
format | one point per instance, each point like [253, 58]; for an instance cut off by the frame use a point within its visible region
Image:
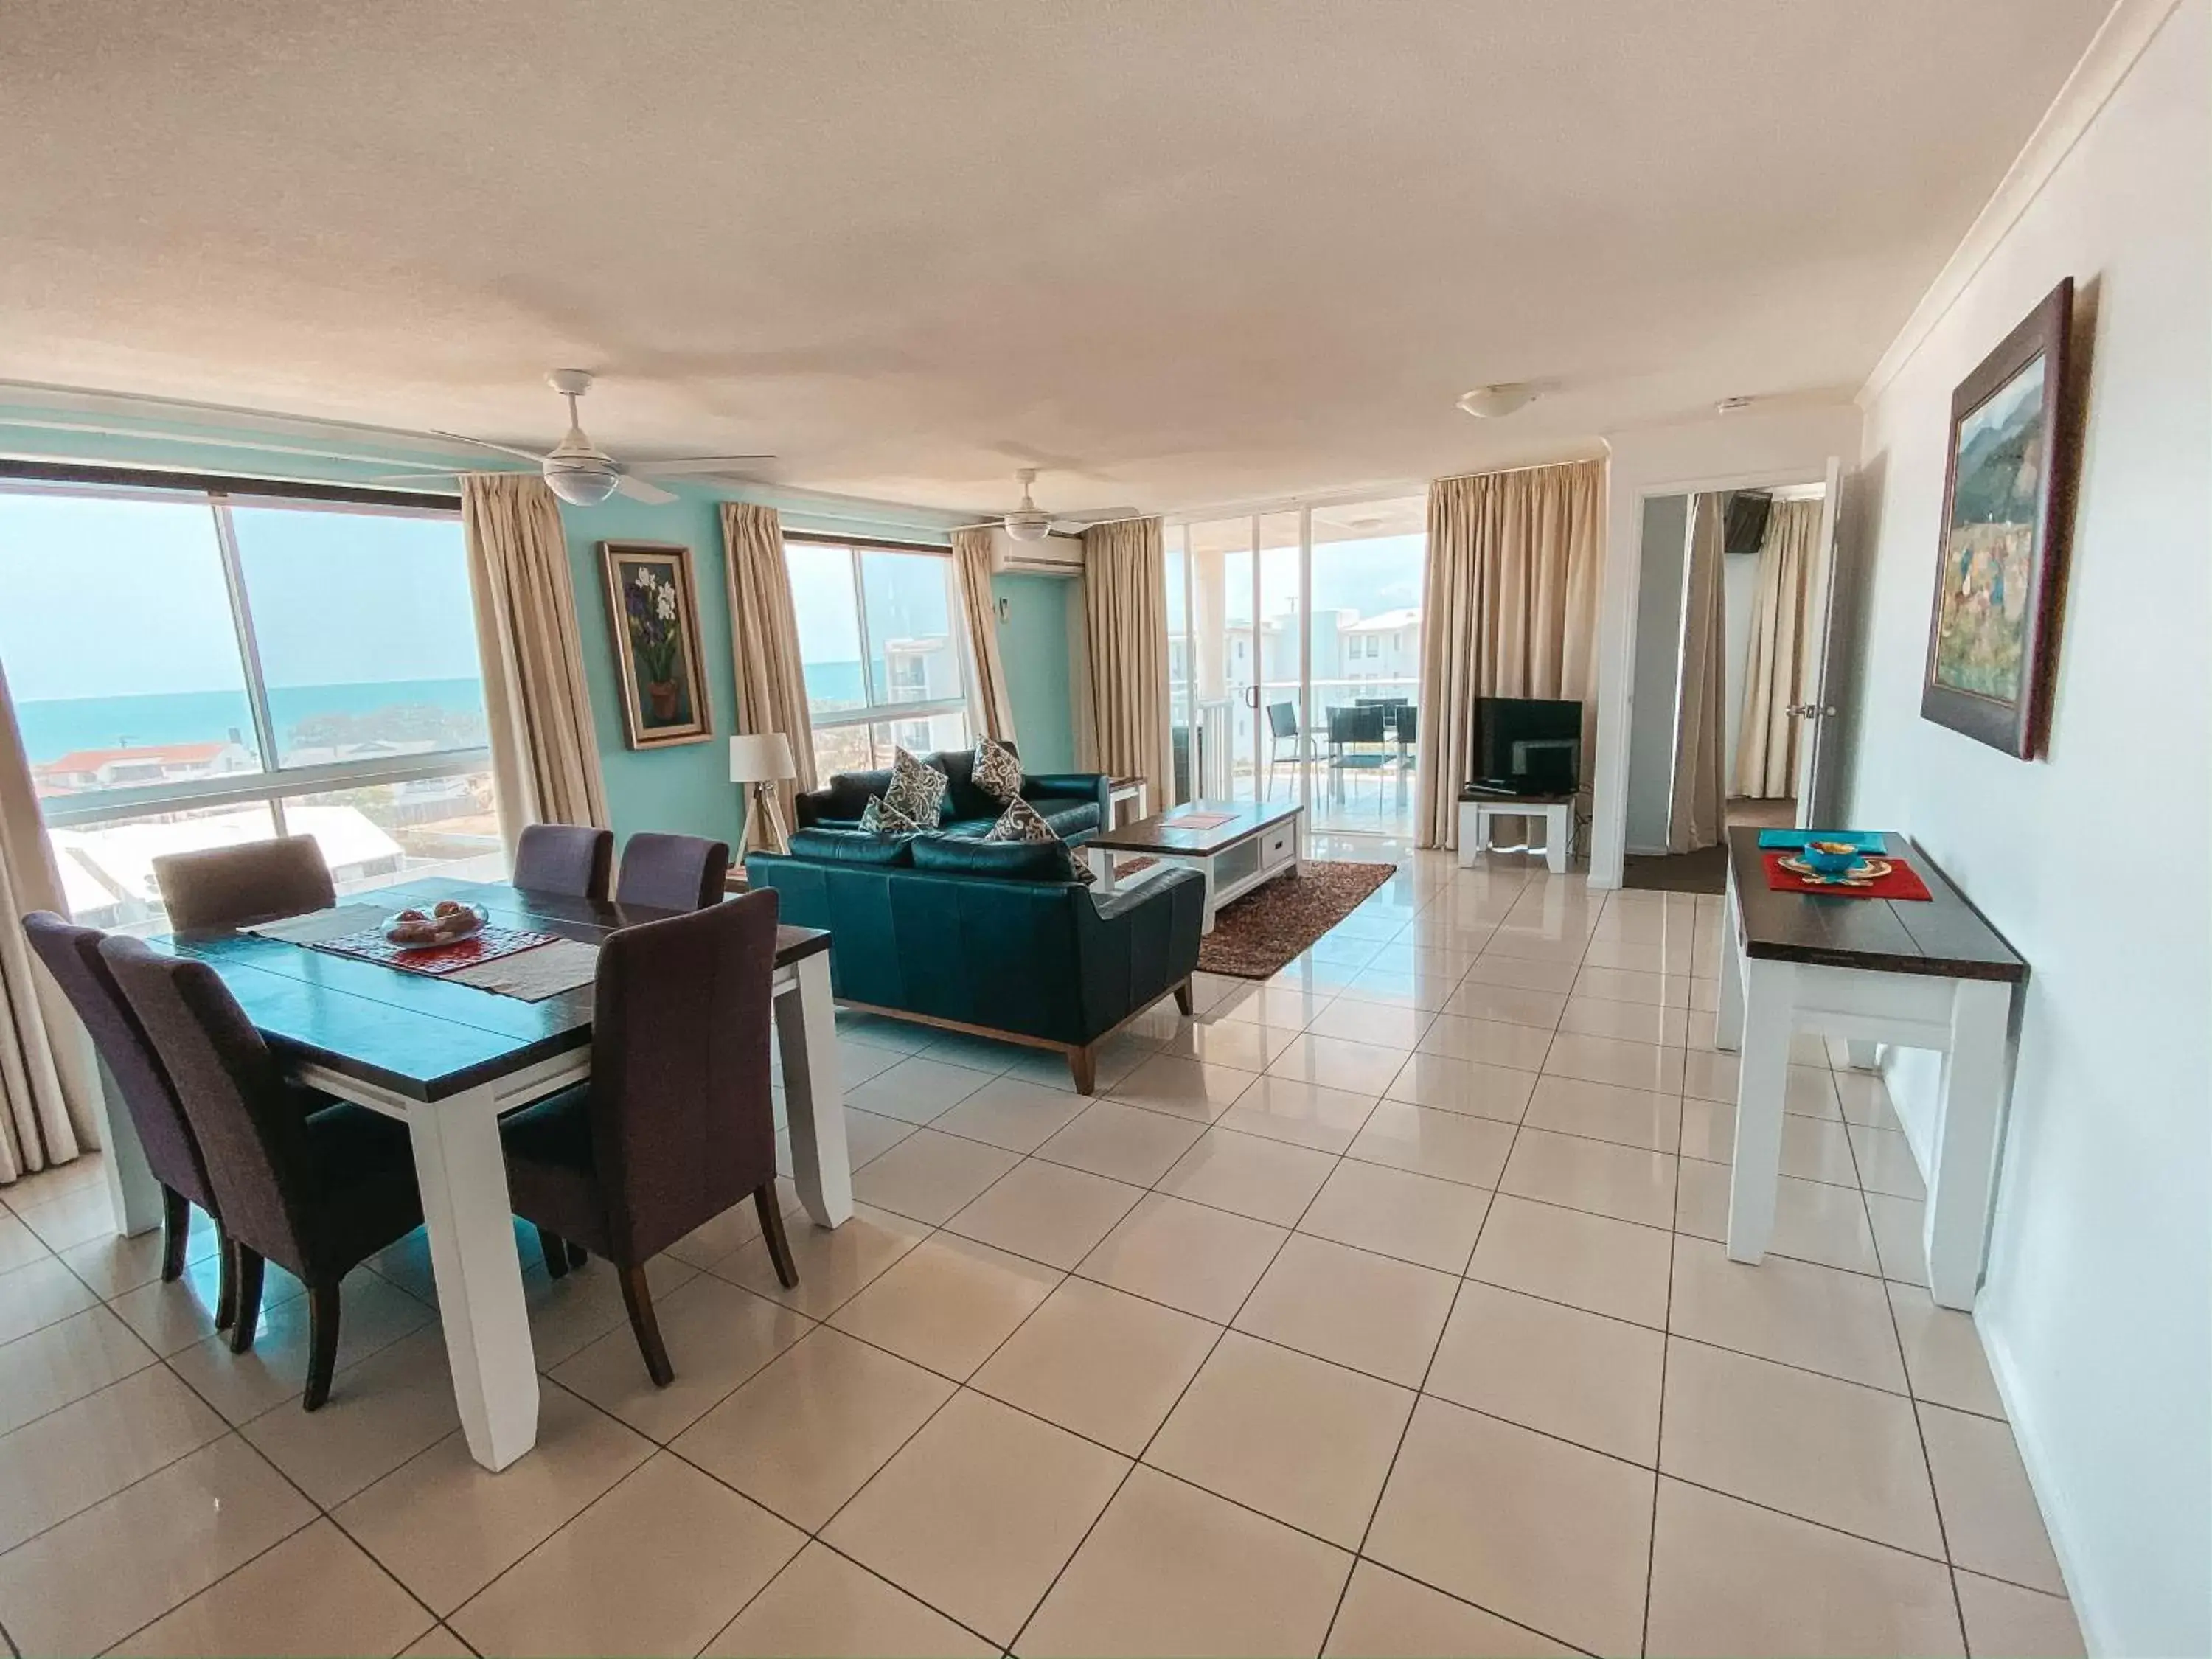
[59, 725]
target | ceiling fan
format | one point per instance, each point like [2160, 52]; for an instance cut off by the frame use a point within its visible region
[581, 473]
[1031, 523]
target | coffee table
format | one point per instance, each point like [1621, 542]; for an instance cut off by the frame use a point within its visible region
[1235, 845]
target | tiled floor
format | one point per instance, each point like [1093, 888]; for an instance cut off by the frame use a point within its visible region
[1377, 1310]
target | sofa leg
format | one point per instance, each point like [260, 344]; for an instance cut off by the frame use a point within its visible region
[1082, 1067]
[1185, 1003]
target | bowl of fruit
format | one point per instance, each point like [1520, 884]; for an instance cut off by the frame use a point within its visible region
[446, 922]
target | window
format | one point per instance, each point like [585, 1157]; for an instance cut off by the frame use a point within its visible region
[195, 667]
[884, 668]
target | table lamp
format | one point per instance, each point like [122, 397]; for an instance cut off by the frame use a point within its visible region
[761, 761]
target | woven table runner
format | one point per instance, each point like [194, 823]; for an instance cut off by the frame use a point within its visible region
[534, 975]
[320, 927]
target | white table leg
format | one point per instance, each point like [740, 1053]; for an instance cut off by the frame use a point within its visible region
[1728, 1024]
[1204, 868]
[463, 1176]
[1558, 832]
[1763, 1076]
[1862, 1054]
[814, 1094]
[132, 1192]
[1960, 1183]
[1469, 817]
[1101, 865]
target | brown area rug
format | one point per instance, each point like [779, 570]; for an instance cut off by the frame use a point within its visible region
[1256, 935]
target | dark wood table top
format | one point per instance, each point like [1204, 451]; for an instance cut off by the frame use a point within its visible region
[421, 1036]
[1159, 833]
[1943, 935]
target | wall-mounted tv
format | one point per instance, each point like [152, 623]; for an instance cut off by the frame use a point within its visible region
[1527, 746]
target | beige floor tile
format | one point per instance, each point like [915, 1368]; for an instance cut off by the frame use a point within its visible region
[1106, 1364]
[1625, 1182]
[1989, 1515]
[1280, 1006]
[1013, 1112]
[1427, 987]
[1368, 1023]
[1370, 1312]
[1510, 1004]
[1863, 1098]
[1885, 1163]
[1628, 1022]
[20, 1245]
[806, 1433]
[928, 1176]
[438, 1643]
[380, 1414]
[1899, 1236]
[75, 1217]
[713, 1242]
[1415, 1217]
[1301, 1114]
[1251, 1175]
[567, 1314]
[835, 1264]
[979, 1513]
[41, 1292]
[1810, 1092]
[1449, 1145]
[978, 1053]
[1730, 1578]
[1813, 1149]
[68, 1460]
[1112, 1061]
[1738, 1425]
[916, 1089]
[1122, 1142]
[867, 1136]
[1813, 1221]
[717, 1334]
[1547, 1535]
[445, 1526]
[1239, 1044]
[108, 1264]
[1632, 985]
[1943, 1354]
[1201, 1261]
[1605, 1111]
[1171, 1570]
[1330, 1062]
[1439, 1081]
[65, 1361]
[1488, 1042]
[1047, 1211]
[823, 1607]
[1588, 1262]
[1708, 1130]
[1608, 1059]
[1837, 1323]
[658, 1565]
[172, 1317]
[2018, 1624]
[1294, 1438]
[1579, 1375]
[102, 1574]
[1709, 1075]
[1185, 1088]
[315, 1592]
[947, 1303]
[1386, 1615]
[1537, 943]
[372, 1315]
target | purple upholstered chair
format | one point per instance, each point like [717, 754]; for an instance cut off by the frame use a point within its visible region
[255, 881]
[671, 872]
[675, 1125]
[316, 1191]
[561, 858]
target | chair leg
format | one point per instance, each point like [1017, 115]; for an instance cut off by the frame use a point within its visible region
[1082, 1067]
[176, 1223]
[1185, 1002]
[557, 1251]
[249, 1297]
[779, 1246]
[322, 1343]
[226, 1279]
[578, 1255]
[637, 1296]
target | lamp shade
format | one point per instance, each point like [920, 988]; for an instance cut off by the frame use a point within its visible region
[762, 758]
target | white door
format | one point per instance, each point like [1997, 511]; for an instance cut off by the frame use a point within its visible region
[1820, 727]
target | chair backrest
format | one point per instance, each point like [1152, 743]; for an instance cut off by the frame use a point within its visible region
[255, 881]
[672, 872]
[1361, 723]
[1408, 722]
[563, 857]
[1282, 719]
[71, 955]
[245, 1119]
[682, 1122]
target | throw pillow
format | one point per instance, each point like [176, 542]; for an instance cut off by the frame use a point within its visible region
[1022, 822]
[917, 790]
[880, 817]
[997, 770]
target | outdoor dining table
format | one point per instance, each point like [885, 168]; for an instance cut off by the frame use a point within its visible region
[448, 1060]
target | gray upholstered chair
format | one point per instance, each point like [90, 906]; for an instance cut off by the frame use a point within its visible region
[563, 857]
[672, 872]
[255, 881]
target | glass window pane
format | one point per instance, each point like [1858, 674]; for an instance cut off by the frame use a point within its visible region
[908, 599]
[107, 870]
[927, 735]
[842, 749]
[117, 641]
[829, 616]
[384, 833]
[365, 629]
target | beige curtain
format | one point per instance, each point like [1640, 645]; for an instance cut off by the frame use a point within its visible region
[764, 648]
[994, 709]
[1508, 609]
[1125, 602]
[545, 756]
[45, 1104]
[1698, 810]
[1774, 677]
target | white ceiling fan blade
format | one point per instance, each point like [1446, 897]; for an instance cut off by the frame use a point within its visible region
[638, 490]
[678, 469]
[448, 475]
[529, 455]
[1077, 521]
[987, 524]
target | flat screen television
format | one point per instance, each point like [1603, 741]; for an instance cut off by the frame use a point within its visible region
[1527, 746]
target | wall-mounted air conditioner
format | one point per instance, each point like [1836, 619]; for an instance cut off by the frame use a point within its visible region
[1055, 556]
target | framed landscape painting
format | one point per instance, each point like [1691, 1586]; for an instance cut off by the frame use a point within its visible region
[653, 609]
[2008, 505]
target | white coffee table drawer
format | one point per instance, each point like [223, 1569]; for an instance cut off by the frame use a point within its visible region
[1279, 844]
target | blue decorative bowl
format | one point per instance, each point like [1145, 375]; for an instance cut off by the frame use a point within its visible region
[1830, 858]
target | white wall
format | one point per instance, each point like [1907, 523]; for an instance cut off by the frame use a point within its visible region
[2098, 1308]
[1666, 530]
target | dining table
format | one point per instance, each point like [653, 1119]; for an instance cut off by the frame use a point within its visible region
[449, 1059]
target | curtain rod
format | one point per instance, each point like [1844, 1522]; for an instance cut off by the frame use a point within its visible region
[1531, 466]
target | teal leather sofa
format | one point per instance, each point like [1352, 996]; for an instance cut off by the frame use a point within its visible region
[1075, 804]
[989, 936]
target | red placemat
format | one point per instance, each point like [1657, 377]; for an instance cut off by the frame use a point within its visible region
[488, 945]
[1899, 883]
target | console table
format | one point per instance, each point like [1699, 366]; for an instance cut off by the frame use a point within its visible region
[1558, 812]
[1918, 974]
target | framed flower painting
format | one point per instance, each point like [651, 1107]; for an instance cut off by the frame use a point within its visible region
[653, 611]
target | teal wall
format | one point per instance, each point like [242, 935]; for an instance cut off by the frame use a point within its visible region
[1033, 648]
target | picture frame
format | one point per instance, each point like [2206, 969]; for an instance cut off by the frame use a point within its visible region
[2002, 552]
[652, 613]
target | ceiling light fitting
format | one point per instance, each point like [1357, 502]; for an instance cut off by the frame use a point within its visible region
[1488, 403]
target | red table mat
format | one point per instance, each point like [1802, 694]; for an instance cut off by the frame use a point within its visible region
[1899, 883]
[487, 946]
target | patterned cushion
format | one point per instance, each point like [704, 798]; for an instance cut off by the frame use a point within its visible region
[1022, 822]
[917, 790]
[880, 817]
[997, 770]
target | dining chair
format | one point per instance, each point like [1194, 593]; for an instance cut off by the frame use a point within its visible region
[565, 858]
[1282, 723]
[671, 872]
[317, 1189]
[675, 1125]
[254, 881]
[71, 955]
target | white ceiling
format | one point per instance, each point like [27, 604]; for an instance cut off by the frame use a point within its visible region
[1180, 251]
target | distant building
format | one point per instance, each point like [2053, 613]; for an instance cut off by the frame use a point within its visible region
[136, 765]
[107, 872]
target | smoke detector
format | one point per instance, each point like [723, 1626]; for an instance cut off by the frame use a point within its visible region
[1733, 405]
[1488, 403]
